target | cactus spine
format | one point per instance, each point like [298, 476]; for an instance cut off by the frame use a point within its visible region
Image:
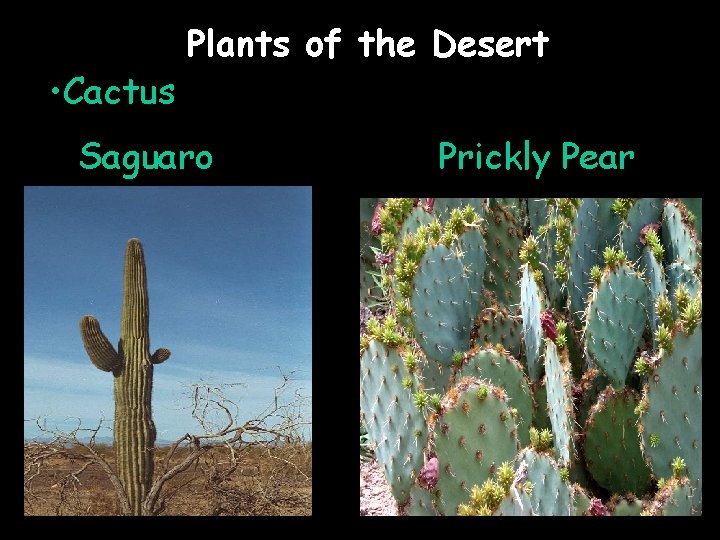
[132, 369]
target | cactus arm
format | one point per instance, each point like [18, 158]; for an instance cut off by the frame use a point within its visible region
[102, 354]
[160, 356]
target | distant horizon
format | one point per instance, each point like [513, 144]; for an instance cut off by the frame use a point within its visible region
[108, 441]
[229, 274]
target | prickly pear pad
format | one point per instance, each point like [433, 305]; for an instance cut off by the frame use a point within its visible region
[550, 495]
[501, 369]
[497, 326]
[435, 377]
[418, 216]
[503, 237]
[643, 212]
[472, 247]
[443, 307]
[595, 227]
[674, 410]
[655, 278]
[615, 322]
[560, 405]
[471, 438]
[443, 206]
[626, 508]
[421, 502]
[395, 425]
[511, 505]
[678, 237]
[532, 306]
[677, 498]
[680, 274]
[581, 501]
[612, 449]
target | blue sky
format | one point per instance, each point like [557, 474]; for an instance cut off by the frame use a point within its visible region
[230, 285]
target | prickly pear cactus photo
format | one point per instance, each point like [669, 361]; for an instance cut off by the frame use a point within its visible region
[533, 356]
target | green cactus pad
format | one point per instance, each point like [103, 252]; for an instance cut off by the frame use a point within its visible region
[515, 505]
[540, 216]
[615, 322]
[532, 305]
[541, 418]
[421, 502]
[514, 204]
[418, 216]
[581, 501]
[674, 411]
[367, 240]
[496, 326]
[593, 381]
[537, 213]
[393, 421]
[472, 246]
[444, 206]
[695, 206]
[435, 376]
[643, 212]
[501, 369]
[472, 437]
[680, 274]
[443, 307]
[560, 405]
[627, 508]
[503, 237]
[575, 349]
[678, 237]
[612, 450]
[655, 278]
[550, 495]
[595, 227]
[677, 498]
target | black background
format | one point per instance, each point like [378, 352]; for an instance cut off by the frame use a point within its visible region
[609, 80]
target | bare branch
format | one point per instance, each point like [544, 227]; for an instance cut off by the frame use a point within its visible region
[224, 452]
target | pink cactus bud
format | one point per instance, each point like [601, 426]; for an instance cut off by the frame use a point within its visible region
[429, 205]
[597, 508]
[548, 324]
[384, 258]
[376, 228]
[429, 474]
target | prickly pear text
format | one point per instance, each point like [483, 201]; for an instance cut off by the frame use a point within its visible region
[523, 157]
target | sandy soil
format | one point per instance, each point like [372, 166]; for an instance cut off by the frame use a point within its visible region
[375, 496]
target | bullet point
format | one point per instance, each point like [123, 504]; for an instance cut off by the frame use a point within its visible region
[55, 90]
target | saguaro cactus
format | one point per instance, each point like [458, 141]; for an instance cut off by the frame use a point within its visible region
[132, 369]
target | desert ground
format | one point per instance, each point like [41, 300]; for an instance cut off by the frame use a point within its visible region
[275, 481]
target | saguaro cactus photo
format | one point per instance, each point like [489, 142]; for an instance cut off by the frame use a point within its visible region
[132, 369]
[225, 426]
